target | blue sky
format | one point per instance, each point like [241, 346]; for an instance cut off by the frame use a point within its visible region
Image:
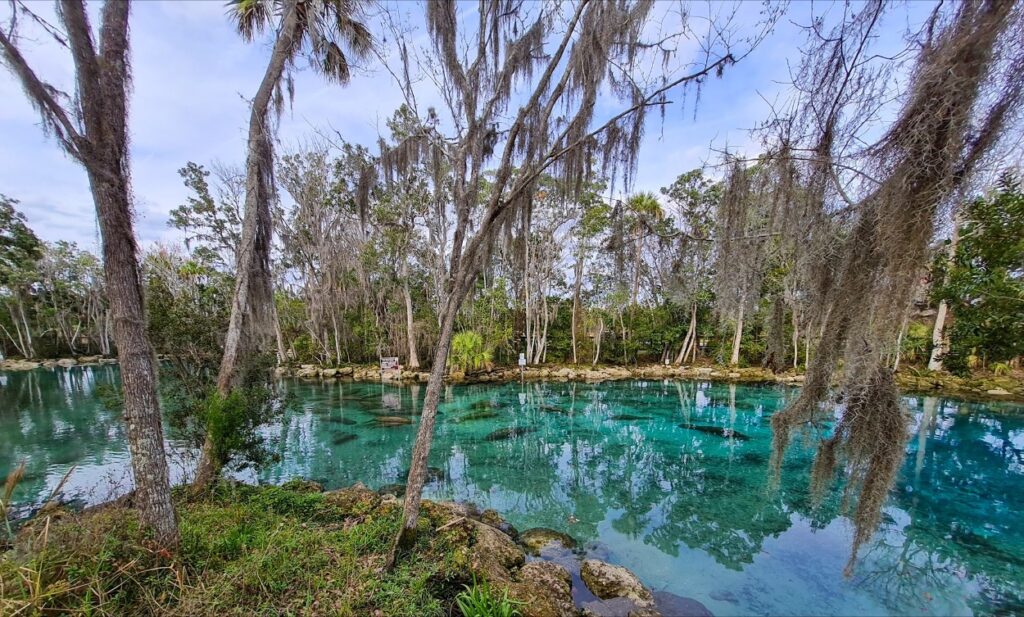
[193, 75]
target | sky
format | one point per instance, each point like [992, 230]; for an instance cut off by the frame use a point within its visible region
[193, 76]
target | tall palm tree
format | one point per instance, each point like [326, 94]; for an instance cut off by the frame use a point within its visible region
[317, 30]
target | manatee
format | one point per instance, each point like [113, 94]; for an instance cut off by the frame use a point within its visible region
[345, 421]
[478, 415]
[716, 430]
[629, 416]
[508, 433]
[391, 421]
[340, 438]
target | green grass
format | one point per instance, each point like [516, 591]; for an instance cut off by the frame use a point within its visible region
[245, 550]
[479, 600]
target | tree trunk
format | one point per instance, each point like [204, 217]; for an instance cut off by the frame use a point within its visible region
[135, 355]
[410, 333]
[424, 436]
[940, 340]
[249, 325]
[597, 341]
[691, 335]
[576, 288]
[734, 359]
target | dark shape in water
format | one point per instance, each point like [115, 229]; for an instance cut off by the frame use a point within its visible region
[668, 603]
[482, 406]
[398, 490]
[553, 409]
[509, 433]
[391, 421]
[340, 438]
[629, 416]
[478, 415]
[716, 430]
[345, 421]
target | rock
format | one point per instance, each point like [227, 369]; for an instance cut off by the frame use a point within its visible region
[733, 375]
[545, 589]
[539, 538]
[705, 371]
[356, 499]
[89, 359]
[677, 606]
[492, 518]
[395, 490]
[345, 371]
[607, 581]
[329, 373]
[391, 421]
[281, 371]
[301, 485]
[499, 544]
[615, 607]
[567, 373]
[997, 392]
[67, 362]
[508, 433]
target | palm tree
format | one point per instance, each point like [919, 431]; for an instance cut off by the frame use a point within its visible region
[317, 30]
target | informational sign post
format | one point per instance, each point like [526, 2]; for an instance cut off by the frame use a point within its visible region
[390, 368]
[522, 367]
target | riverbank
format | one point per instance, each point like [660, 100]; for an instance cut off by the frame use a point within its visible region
[979, 386]
[296, 549]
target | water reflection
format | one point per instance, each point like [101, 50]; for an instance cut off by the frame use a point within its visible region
[667, 478]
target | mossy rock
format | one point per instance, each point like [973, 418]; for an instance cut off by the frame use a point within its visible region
[539, 538]
[301, 485]
[492, 518]
[544, 589]
[607, 581]
[356, 499]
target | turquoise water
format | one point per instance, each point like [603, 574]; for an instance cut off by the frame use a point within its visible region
[641, 473]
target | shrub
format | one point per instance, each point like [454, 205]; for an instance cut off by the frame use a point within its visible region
[468, 352]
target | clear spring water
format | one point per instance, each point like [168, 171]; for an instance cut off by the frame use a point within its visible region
[641, 473]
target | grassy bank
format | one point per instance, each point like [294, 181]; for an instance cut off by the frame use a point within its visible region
[245, 550]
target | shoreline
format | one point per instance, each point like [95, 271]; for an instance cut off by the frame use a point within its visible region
[986, 388]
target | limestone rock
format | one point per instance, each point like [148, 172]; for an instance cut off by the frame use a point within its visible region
[329, 373]
[545, 589]
[997, 392]
[607, 581]
[67, 362]
[539, 538]
[356, 499]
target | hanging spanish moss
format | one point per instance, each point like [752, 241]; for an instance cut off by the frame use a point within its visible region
[964, 89]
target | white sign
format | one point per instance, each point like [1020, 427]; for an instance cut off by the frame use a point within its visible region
[522, 360]
[389, 364]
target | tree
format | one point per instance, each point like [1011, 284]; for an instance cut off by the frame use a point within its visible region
[881, 201]
[503, 49]
[313, 28]
[983, 280]
[93, 130]
[20, 249]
